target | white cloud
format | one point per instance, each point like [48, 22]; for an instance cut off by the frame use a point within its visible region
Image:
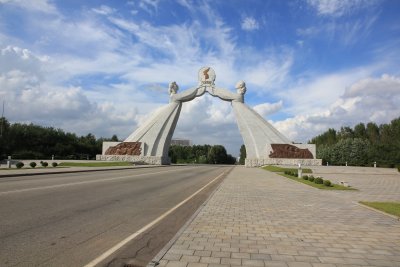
[369, 99]
[249, 24]
[137, 59]
[269, 72]
[44, 6]
[337, 8]
[30, 97]
[266, 109]
[104, 10]
[14, 58]
[314, 93]
[117, 107]
[150, 6]
[310, 31]
[344, 32]
[187, 3]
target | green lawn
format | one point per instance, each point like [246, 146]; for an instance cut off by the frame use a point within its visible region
[273, 168]
[281, 171]
[95, 164]
[388, 207]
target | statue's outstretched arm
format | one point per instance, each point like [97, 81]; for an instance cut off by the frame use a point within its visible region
[188, 94]
[223, 94]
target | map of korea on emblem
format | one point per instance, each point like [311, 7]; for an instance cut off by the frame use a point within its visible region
[206, 76]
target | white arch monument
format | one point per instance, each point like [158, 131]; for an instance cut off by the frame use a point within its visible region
[264, 144]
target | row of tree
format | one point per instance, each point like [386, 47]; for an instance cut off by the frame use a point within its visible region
[201, 154]
[29, 141]
[362, 145]
[359, 146]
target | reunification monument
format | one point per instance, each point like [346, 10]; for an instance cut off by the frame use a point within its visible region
[264, 144]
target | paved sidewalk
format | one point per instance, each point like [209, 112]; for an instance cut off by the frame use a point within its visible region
[258, 218]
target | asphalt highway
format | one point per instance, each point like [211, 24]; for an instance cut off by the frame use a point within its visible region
[72, 219]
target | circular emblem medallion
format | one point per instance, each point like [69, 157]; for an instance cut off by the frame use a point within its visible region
[207, 76]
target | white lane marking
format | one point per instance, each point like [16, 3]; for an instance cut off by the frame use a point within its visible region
[85, 182]
[144, 228]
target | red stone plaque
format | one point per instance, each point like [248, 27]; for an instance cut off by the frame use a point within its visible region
[125, 148]
[288, 151]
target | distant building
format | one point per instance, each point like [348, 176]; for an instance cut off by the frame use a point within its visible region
[181, 142]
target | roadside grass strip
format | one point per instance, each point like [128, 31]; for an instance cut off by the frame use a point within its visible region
[95, 164]
[30, 168]
[392, 208]
[319, 186]
[273, 168]
[283, 172]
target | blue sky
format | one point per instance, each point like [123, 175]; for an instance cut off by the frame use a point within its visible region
[103, 66]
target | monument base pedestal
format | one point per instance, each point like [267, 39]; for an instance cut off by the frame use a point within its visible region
[257, 162]
[151, 160]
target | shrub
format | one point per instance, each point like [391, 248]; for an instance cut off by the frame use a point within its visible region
[327, 183]
[44, 164]
[19, 165]
[398, 168]
[287, 172]
[311, 178]
[32, 164]
[54, 164]
[305, 177]
[318, 180]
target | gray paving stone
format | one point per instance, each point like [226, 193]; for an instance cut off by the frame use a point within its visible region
[176, 264]
[323, 265]
[307, 259]
[299, 264]
[231, 261]
[240, 255]
[210, 260]
[246, 262]
[257, 216]
[221, 254]
[196, 264]
[275, 264]
[181, 251]
[162, 263]
[202, 253]
[187, 258]
[259, 256]
[172, 257]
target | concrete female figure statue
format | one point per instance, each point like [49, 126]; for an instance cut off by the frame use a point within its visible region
[257, 133]
[156, 133]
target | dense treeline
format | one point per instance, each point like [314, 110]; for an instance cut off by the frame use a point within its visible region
[202, 154]
[29, 141]
[362, 145]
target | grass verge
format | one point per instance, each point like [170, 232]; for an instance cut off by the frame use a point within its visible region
[272, 168]
[319, 186]
[30, 168]
[280, 171]
[388, 207]
[95, 164]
